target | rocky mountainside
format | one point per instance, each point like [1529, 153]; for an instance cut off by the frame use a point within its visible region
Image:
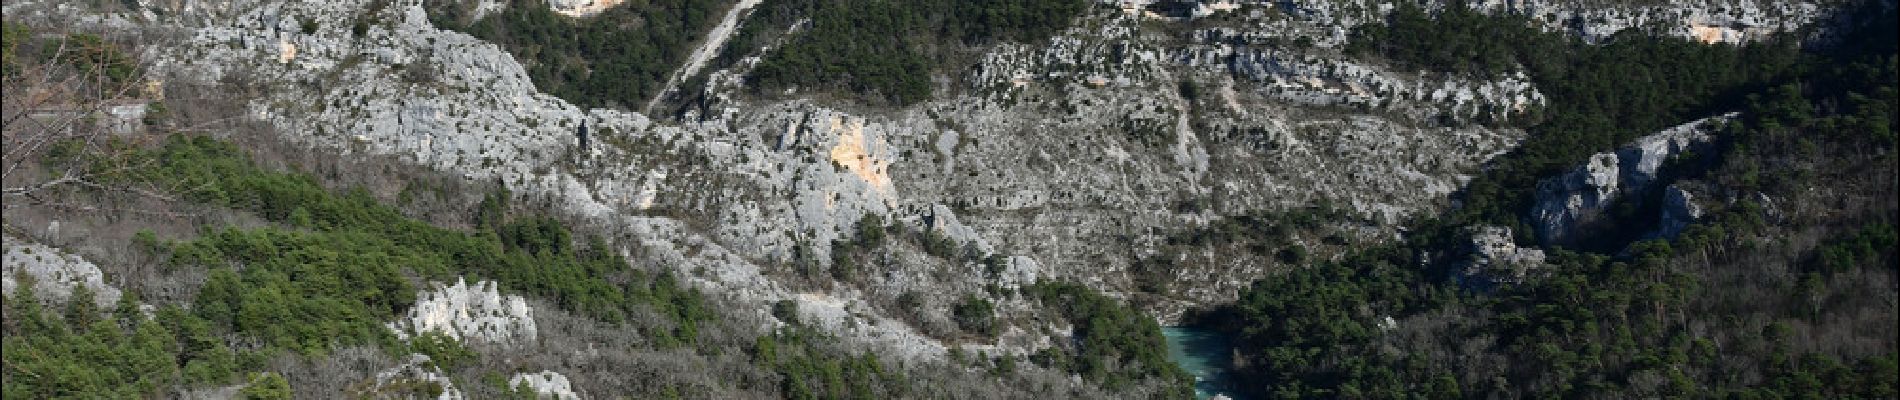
[1074, 158]
[1067, 158]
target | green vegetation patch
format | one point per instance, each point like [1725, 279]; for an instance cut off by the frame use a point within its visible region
[1599, 96]
[879, 51]
[1711, 314]
[1118, 345]
[329, 273]
[82, 352]
[93, 58]
[884, 51]
[350, 251]
[811, 368]
[617, 58]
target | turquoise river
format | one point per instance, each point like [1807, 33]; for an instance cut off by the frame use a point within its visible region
[1204, 354]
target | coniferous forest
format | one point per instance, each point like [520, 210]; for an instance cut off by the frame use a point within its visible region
[270, 195]
[1709, 314]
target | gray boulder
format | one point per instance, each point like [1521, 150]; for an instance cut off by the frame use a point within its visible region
[1497, 260]
[53, 273]
[546, 385]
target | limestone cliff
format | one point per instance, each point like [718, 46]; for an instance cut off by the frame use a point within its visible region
[1069, 158]
[472, 313]
[1568, 203]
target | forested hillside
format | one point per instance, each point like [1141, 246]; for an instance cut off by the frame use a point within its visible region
[1785, 292]
[305, 284]
[883, 52]
[328, 275]
[945, 199]
[332, 268]
[1601, 96]
[887, 51]
[618, 58]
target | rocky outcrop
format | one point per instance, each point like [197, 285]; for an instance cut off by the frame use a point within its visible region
[477, 313]
[415, 378]
[715, 40]
[1055, 155]
[944, 221]
[545, 385]
[1304, 76]
[1679, 209]
[1495, 259]
[1328, 22]
[1567, 204]
[53, 273]
[581, 8]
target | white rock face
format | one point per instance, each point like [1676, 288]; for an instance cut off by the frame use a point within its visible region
[416, 371]
[470, 313]
[1709, 21]
[1304, 77]
[837, 312]
[581, 8]
[1679, 209]
[944, 221]
[1032, 153]
[53, 272]
[546, 385]
[1496, 259]
[1565, 203]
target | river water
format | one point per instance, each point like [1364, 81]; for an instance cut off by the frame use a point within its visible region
[1204, 354]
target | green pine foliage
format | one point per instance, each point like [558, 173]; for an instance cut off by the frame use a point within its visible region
[96, 59]
[343, 263]
[1118, 345]
[1599, 96]
[266, 386]
[94, 56]
[617, 58]
[1729, 309]
[881, 51]
[1864, 247]
[975, 314]
[12, 35]
[1300, 323]
[332, 268]
[444, 352]
[330, 271]
[809, 367]
[885, 51]
[84, 353]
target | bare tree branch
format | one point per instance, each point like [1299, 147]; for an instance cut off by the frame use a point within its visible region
[65, 91]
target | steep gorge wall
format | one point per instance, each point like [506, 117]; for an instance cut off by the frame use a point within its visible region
[1069, 157]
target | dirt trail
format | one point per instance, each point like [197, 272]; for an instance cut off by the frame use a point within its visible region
[707, 49]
